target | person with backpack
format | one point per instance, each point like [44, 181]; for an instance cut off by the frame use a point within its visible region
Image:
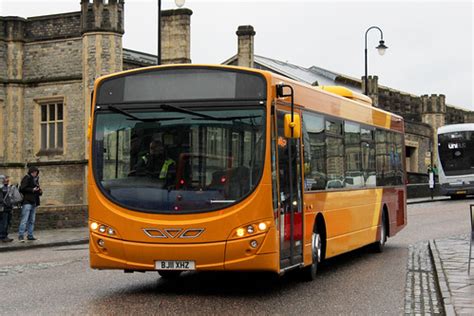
[31, 190]
[7, 207]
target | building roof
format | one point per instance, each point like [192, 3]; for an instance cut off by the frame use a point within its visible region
[307, 75]
[139, 58]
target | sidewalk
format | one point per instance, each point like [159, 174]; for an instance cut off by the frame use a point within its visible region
[427, 199]
[450, 258]
[49, 238]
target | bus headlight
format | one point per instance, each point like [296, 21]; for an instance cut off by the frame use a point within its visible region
[240, 232]
[251, 229]
[102, 229]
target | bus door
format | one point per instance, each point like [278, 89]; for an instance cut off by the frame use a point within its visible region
[290, 197]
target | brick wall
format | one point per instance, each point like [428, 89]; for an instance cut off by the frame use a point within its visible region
[54, 217]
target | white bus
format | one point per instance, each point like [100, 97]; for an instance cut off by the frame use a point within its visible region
[456, 159]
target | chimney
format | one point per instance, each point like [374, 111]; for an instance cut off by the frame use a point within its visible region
[245, 35]
[176, 36]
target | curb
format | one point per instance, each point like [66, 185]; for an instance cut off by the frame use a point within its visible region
[428, 200]
[25, 246]
[446, 297]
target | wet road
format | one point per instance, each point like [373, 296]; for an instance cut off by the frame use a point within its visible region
[58, 280]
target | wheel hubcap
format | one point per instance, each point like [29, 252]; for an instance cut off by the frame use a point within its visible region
[382, 234]
[316, 244]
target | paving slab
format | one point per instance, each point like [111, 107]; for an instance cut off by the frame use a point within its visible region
[450, 256]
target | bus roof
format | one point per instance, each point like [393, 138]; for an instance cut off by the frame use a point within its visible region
[456, 128]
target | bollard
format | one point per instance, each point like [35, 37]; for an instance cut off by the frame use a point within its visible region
[472, 240]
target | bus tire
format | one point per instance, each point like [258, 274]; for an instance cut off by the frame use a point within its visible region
[379, 245]
[169, 274]
[309, 272]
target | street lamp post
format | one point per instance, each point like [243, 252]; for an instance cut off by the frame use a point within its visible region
[381, 49]
[179, 4]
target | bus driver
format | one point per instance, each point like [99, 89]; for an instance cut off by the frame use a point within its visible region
[156, 163]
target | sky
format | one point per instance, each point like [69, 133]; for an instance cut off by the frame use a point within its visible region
[430, 42]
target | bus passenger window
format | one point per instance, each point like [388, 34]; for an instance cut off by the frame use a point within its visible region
[334, 155]
[353, 175]
[368, 156]
[314, 152]
[382, 157]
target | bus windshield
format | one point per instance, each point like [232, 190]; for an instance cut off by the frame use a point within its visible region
[456, 152]
[171, 159]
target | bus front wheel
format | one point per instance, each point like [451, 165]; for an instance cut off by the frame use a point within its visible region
[311, 270]
[379, 245]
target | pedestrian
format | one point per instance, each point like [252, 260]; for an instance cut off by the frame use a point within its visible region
[31, 190]
[5, 209]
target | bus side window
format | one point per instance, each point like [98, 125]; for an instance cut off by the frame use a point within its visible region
[381, 154]
[334, 154]
[314, 152]
[368, 156]
[353, 175]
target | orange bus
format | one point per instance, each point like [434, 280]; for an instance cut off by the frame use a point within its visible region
[197, 167]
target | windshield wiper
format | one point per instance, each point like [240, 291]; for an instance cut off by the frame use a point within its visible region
[136, 118]
[202, 115]
[231, 118]
[181, 110]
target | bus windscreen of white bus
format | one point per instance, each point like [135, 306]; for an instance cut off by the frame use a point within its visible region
[456, 152]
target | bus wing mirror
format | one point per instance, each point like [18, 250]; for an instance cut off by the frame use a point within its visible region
[292, 128]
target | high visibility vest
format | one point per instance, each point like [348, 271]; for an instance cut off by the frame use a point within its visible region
[165, 167]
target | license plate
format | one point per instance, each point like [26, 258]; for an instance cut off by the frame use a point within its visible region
[461, 192]
[175, 265]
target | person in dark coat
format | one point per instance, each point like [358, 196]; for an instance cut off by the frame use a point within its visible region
[31, 190]
[6, 209]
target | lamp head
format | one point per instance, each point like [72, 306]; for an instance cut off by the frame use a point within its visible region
[381, 48]
[179, 3]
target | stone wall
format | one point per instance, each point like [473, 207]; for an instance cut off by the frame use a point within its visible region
[418, 137]
[55, 59]
[74, 126]
[57, 26]
[62, 182]
[54, 217]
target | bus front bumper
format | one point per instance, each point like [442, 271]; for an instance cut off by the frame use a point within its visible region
[235, 255]
[448, 189]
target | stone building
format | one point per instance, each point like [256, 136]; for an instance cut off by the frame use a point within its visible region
[423, 114]
[48, 65]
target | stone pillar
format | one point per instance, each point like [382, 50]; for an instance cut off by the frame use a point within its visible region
[434, 114]
[373, 89]
[12, 41]
[176, 36]
[102, 29]
[245, 35]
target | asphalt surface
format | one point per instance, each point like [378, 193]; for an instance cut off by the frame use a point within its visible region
[58, 280]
